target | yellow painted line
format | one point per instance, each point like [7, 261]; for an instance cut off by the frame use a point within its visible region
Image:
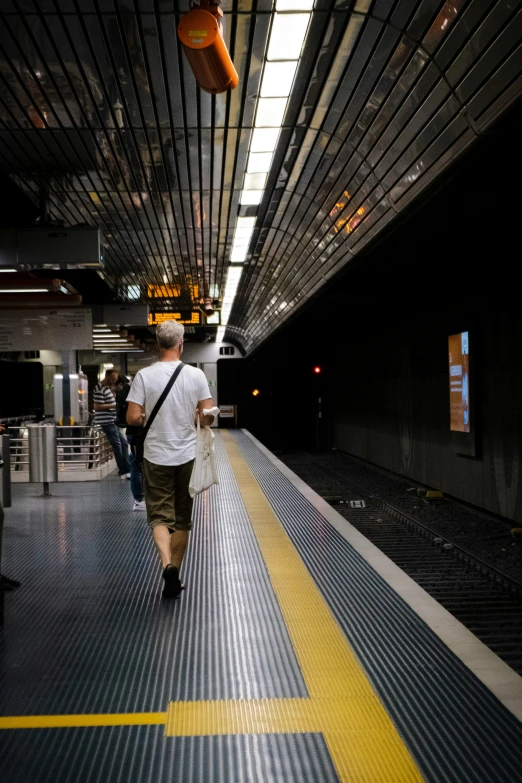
[363, 742]
[72, 721]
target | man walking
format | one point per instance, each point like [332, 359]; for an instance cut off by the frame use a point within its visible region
[105, 417]
[170, 447]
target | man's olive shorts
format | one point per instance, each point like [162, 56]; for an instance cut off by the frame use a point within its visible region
[166, 495]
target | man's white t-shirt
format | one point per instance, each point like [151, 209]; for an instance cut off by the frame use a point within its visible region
[171, 439]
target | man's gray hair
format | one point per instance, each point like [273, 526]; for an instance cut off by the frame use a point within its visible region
[169, 334]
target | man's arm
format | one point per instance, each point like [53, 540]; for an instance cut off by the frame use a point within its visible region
[205, 421]
[135, 415]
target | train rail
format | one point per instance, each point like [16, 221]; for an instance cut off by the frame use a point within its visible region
[481, 596]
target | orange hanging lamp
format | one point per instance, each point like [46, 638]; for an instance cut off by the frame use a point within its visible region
[200, 31]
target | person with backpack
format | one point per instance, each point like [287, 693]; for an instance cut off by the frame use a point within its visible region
[136, 478]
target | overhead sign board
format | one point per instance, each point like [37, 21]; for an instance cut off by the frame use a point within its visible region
[191, 319]
[46, 330]
[125, 314]
[170, 291]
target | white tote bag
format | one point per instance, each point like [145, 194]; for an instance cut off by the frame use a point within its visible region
[204, 472]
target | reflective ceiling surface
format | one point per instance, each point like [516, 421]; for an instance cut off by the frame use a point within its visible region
[98, 103]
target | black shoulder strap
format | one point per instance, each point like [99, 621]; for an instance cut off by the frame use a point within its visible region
[161, 400]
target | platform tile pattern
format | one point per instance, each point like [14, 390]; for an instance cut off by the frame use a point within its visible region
[88, 631]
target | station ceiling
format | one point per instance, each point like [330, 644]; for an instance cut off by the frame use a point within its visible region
[98, 103]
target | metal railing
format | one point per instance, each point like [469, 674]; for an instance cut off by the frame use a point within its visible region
[77, 447]
[19, 450]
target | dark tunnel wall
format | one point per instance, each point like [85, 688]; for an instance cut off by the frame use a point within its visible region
[450, 268]
[395, 407]
[380, 334]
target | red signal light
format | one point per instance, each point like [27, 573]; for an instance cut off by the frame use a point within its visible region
[317, 370]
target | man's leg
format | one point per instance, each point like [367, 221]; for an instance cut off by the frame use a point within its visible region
[183, 512]
[158, 485]
[162, 536]
[178, 546]
[113, 436]
[124, 451]
[136, 482]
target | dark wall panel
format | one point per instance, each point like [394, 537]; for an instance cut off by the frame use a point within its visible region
[396, 414]
[21, 389]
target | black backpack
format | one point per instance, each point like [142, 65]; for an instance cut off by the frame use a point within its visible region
[122, 405]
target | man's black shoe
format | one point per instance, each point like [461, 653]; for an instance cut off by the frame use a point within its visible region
[173, 586]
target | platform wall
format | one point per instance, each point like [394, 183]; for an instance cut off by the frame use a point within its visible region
[392, 405]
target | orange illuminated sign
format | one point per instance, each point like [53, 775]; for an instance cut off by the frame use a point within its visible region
[169, 291]
[191, 319]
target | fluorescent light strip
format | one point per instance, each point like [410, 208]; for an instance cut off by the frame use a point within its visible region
[233, 278]
[251, 197]
[8, 270]
[287, 37]
[264, 139]
[24, 290]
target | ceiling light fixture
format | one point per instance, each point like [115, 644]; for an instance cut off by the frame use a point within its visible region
[278, 78]
[264, 139]
[24, 290]
[254, 182]
[251, 197]
[287, 37]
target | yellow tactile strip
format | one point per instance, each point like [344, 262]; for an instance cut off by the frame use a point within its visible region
[363, 742]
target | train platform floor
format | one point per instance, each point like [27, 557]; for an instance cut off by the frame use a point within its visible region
[298, 652]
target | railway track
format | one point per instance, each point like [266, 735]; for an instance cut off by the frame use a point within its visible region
[485, 599]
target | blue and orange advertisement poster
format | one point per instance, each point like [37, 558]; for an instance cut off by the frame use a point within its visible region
[458, 346]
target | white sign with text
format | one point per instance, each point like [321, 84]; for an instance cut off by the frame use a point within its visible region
[46, 330]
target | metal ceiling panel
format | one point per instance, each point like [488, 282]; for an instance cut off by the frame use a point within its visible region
[97, 101]
[419, 82]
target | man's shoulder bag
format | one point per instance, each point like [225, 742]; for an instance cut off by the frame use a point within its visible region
[138, 441]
